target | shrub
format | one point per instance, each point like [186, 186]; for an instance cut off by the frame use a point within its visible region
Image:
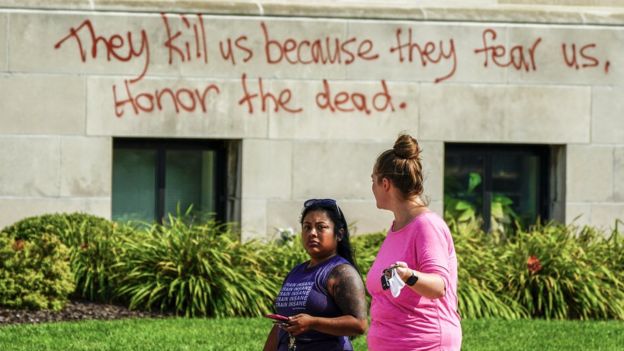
[365, 248]
[194, 270]
[93, 258]
[558, 274]
[608, 250]
[34, 274]
[481, 276]
[282, 258]
[202, 269]
[63, 225]
[93, 244]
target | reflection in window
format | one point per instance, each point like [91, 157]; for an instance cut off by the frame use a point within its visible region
[155, 178]
[499, 184]
[189, 180]
[134, 184]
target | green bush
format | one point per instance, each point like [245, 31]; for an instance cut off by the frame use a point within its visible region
[365, 248]
[281, 259]
[550, 271]
[480, 280]
[480, 277]
[608, 250]
[195, 270]
[557, 272]
[34, 273]
[64, 225]
[201, 269]
[94, 259]
[93, 244]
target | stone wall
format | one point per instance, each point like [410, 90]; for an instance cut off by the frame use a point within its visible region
[71, 80]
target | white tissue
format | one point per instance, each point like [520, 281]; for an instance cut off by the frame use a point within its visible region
[396, 284]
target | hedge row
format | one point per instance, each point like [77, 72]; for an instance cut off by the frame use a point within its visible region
[201, 269]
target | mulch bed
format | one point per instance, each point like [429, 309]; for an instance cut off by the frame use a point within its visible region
[74, 311]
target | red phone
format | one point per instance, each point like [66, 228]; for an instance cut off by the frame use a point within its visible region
[277, 317]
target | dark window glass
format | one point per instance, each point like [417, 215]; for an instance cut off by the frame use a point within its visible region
[134, 184]
[154, 178]
[189, 180]
[501, 184]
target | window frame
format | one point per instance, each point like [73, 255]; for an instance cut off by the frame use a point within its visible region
[161, 146]
[544, 153]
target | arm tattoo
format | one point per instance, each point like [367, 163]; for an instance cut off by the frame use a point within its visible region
[346, 287]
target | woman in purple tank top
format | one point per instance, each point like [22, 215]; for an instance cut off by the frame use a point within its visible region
[323, 298]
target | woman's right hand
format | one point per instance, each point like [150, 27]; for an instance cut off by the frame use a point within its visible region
[299, 324]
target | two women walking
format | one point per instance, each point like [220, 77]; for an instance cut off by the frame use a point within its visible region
[413, 281]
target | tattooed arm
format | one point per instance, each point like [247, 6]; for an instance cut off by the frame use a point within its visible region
[346, 288]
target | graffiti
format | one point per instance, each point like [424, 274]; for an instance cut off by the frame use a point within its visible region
[581, 57]
[272, 47]
[228, 54]
[428, 53]
[280, 101]
[181, 46]
[115, 46]
[189, 100]
[344, 101]
[326, 50]
[518, 56]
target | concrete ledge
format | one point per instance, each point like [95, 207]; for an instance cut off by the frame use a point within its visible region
[474, 11]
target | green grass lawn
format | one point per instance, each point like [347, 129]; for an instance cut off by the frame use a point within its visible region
[249, 334]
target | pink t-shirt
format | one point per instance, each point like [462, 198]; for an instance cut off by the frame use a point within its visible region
[411, 321]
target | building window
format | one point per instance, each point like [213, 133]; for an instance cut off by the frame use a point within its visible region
[154, 177]
[500, 184]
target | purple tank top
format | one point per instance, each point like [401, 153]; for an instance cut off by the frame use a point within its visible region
[305, 291]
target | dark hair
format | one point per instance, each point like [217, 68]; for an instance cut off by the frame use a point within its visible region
[402, 165]
[340, 222]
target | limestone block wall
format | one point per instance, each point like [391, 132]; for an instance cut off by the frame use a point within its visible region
[48, 163]
[310, 120]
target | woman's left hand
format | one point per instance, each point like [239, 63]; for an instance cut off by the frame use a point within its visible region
[299, 323]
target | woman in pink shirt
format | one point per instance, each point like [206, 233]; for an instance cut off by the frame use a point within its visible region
[419, 249]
